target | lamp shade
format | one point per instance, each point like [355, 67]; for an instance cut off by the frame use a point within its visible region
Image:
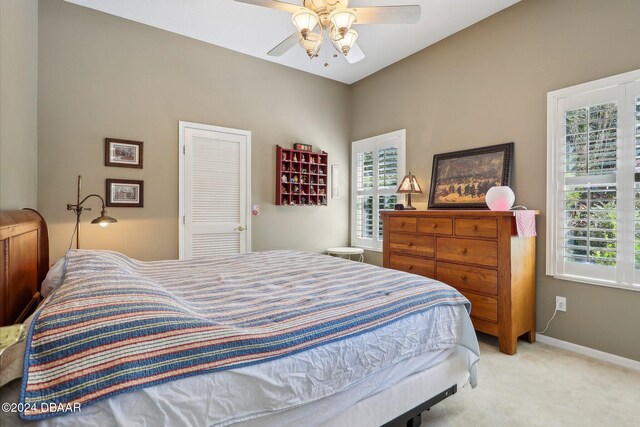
[342, 19]
[343, 45]
[103, 220]
[312, 44]
[305, 21]
[409, 185]
[500, 198]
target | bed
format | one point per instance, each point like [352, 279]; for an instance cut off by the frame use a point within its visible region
[410, 345]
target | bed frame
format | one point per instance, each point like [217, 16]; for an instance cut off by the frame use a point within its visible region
[24, 262]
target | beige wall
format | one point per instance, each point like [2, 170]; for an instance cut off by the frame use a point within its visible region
[18, 103]
[102, 76]
[488, 85]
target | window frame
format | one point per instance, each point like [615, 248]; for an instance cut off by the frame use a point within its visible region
[388, 140]
[626, 87]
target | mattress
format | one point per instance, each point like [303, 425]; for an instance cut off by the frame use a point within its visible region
[268, 395]
[309, 387]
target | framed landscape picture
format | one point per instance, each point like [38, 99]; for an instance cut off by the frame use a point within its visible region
[122, 193]
[123, 153]
[461, 179]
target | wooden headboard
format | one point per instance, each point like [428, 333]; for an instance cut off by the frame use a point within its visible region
[24, 262]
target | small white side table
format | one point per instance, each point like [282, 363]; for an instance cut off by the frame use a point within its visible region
[348, 252]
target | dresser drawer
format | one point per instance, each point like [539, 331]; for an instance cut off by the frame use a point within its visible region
[412, 244]
[424, 267]
[479, 252]
[485, 308]
[467, 278]
[435, 225]
[407, 224]
[477, 227]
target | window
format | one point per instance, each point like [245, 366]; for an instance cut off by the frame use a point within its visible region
[593, 183]
[378, 166]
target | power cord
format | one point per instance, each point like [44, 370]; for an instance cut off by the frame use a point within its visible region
[549, 322]
[75, 230]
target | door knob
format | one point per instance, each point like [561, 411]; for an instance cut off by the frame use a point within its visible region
[241, 228]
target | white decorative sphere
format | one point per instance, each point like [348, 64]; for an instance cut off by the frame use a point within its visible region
[500, 198]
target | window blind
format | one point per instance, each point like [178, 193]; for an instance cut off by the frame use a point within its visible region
[381, 180]
[377, 164]
[593, 200]
[589, 193]
[636, 186]
[364, 209]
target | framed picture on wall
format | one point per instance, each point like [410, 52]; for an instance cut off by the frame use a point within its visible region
[123, 153]
[461, 179]
[123, 193]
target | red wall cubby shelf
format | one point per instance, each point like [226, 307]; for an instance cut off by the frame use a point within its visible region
[301, 177]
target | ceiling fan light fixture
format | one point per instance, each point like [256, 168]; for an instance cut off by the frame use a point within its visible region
[312, 44]
[342, 19]
[305, 20]
[343, 45]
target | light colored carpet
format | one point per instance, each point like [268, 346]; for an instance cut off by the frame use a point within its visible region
[541, 386]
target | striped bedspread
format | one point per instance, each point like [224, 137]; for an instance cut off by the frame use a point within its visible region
[117, 324]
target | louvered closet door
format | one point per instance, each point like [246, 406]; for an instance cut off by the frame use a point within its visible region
[215, 191]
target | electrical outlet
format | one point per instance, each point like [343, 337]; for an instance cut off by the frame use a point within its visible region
[561, 303]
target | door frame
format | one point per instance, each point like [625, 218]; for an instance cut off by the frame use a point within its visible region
[182, 126]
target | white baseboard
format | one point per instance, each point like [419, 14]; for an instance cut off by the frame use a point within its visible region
[590, 352]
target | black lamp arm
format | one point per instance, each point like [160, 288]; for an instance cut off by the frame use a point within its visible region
[79, 207]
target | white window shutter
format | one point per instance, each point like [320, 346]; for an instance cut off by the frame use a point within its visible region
[634, 95]
[378, 165]
[593, 203]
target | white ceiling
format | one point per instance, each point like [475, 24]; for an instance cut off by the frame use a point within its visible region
[254, 30]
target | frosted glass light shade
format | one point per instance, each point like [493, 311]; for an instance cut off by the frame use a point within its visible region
[343, 45]
[312, 44]
[500, 198]
[342, 19]
[305, 21]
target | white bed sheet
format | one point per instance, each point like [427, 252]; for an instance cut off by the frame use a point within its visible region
[309, 388]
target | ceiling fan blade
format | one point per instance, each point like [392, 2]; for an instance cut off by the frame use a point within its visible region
[273, 4]
[285, 45]
[355, 54]
[409, 14]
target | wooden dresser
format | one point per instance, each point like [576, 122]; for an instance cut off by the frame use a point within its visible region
[479, 253]
[24, 262]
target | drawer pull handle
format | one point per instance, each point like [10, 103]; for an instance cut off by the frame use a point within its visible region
[410, 244]
[434, 225]
[464, 278]
[411, 267]
[463, 250]
[474, 228]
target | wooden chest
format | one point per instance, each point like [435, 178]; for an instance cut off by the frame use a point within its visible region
[477, 252]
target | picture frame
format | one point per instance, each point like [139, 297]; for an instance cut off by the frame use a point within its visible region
[460, 179]
[123, 153]
[302, 147]
[125, 193]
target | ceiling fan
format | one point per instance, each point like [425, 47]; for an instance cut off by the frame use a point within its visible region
[335, 18]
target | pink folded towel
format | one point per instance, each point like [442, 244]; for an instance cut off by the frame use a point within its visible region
[526, 223]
